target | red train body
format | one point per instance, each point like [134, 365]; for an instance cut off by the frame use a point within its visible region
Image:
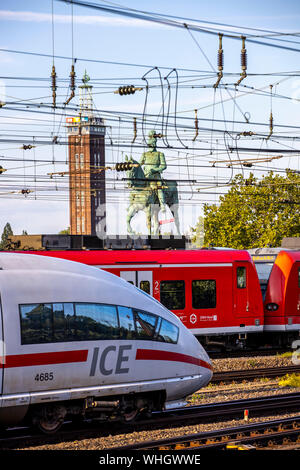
[218, 294]
[282, 299]
[215, 293]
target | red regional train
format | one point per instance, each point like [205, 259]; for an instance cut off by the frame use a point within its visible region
[216, 293]
[282, 297]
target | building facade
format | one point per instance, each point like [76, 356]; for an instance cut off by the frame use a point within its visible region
[86, 145]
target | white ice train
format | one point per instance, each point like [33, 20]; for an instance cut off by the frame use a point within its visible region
[77, 341]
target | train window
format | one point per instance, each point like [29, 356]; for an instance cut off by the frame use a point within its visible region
[145, 286]
[127, 328]
[204, 294]
[172, 294]
[46, 323]
[145, 324]
[96, 321]
[60, 322]
[241, 277]
[63, 322]
[168, 332]
[36, 323]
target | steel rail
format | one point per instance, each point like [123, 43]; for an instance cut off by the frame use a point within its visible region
[180, 417]
[267, 432]
[246, 374]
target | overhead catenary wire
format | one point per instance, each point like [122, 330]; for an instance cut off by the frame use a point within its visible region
[186, 125]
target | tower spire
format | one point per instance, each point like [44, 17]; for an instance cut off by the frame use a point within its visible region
[85, 97]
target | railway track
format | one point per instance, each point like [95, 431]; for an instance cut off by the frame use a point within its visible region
[242, 353]
[24, 437]
[251, 436]
[246, 374]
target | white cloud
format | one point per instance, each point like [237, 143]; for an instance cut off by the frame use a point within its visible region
[33, 17]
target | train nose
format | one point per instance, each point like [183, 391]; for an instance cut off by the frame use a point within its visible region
[206, 368]
[202, 365]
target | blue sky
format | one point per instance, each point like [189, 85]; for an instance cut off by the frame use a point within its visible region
[27, 26]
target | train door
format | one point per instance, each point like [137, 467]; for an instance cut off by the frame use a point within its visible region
[141, 279]
[241, 288]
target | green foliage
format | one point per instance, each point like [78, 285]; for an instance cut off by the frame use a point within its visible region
[65, 231]
[288, 380]
[255, 213]
[7, 232]
[198, 233]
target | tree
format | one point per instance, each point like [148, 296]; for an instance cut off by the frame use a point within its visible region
[7, 232]
[65, 231]
[198, 233]
[255, 213]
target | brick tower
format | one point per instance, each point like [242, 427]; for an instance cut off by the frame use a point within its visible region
[86, 134]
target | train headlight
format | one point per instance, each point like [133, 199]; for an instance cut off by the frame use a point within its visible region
[272, 307]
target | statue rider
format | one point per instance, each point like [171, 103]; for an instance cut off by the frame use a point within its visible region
[153, 164]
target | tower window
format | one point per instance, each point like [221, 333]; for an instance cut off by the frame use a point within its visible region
[81, 160]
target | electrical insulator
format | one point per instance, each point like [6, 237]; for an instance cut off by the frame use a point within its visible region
[243, 61]
[247, 133]
[2, 170]
[158, 136]
[127, 90]
[53, 86]
[270, 126]
[124, 166]
[134, 130]
[196, 126]
[220, 54]
[72, 78]
[220, 61]
[27, 147]
[244, 55]
[271, 115]
[25, 191]
[72, 85]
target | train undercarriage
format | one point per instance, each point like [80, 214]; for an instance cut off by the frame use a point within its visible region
[49, 417]
[250, 341]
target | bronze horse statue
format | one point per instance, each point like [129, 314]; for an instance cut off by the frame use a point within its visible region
[144, 198]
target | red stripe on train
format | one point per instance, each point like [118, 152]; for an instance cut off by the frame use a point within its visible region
[39, 359]
[157, 355]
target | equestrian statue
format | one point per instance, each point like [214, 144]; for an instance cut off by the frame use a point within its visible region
[149, 191]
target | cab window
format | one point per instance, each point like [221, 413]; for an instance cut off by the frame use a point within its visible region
[168, 332]
[241, 277]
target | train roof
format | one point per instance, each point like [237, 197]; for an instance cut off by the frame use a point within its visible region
[103, 257]
[24, 270]
[29, 262]
[265, 251]
[293, 255]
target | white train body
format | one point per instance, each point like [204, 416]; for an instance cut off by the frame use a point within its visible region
[78, 338]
